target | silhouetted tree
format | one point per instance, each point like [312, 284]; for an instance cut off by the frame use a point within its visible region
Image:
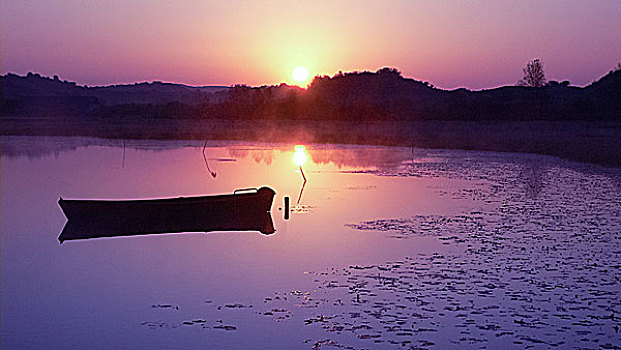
[388, 71]
[533, 74]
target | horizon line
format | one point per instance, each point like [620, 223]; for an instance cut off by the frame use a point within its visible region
[6, 73]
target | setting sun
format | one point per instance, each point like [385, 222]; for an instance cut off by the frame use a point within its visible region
[300, 74]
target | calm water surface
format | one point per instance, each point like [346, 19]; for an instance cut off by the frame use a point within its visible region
[386, 248]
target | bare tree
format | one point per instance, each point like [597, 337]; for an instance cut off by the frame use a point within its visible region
[533, 74]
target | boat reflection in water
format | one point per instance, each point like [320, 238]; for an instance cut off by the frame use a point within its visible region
[244, 210]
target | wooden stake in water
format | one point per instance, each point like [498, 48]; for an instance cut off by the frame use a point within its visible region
[286, 208]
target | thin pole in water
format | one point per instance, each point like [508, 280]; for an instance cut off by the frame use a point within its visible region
[303, 184]
[302, 171]
[123, 165]
[213, 173]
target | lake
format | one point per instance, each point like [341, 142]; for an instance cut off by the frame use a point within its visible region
[386, 247]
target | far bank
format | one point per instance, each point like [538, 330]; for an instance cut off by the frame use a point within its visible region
[597, 142]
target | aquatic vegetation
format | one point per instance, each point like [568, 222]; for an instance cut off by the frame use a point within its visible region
[538, 266]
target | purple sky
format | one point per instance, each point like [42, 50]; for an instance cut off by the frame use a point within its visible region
[473, 44]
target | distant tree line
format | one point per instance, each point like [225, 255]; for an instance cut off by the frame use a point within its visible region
[356, 96]
[386, 95]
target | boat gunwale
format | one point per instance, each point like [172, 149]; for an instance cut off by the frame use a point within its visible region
[171, 200]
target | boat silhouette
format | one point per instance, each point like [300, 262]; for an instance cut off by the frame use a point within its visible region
[244, 210]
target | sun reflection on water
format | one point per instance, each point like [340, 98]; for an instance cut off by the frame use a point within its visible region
[299, 155]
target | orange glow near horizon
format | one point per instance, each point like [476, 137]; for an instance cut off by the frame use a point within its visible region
[208, 42]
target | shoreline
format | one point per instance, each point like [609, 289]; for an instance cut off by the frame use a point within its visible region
[597, 142]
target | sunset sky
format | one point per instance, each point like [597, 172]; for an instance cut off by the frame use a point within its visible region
[473, 44]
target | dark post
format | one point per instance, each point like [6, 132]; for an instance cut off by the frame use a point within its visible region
[286, 208]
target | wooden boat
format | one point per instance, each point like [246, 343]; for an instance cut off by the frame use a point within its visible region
[244, 210]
